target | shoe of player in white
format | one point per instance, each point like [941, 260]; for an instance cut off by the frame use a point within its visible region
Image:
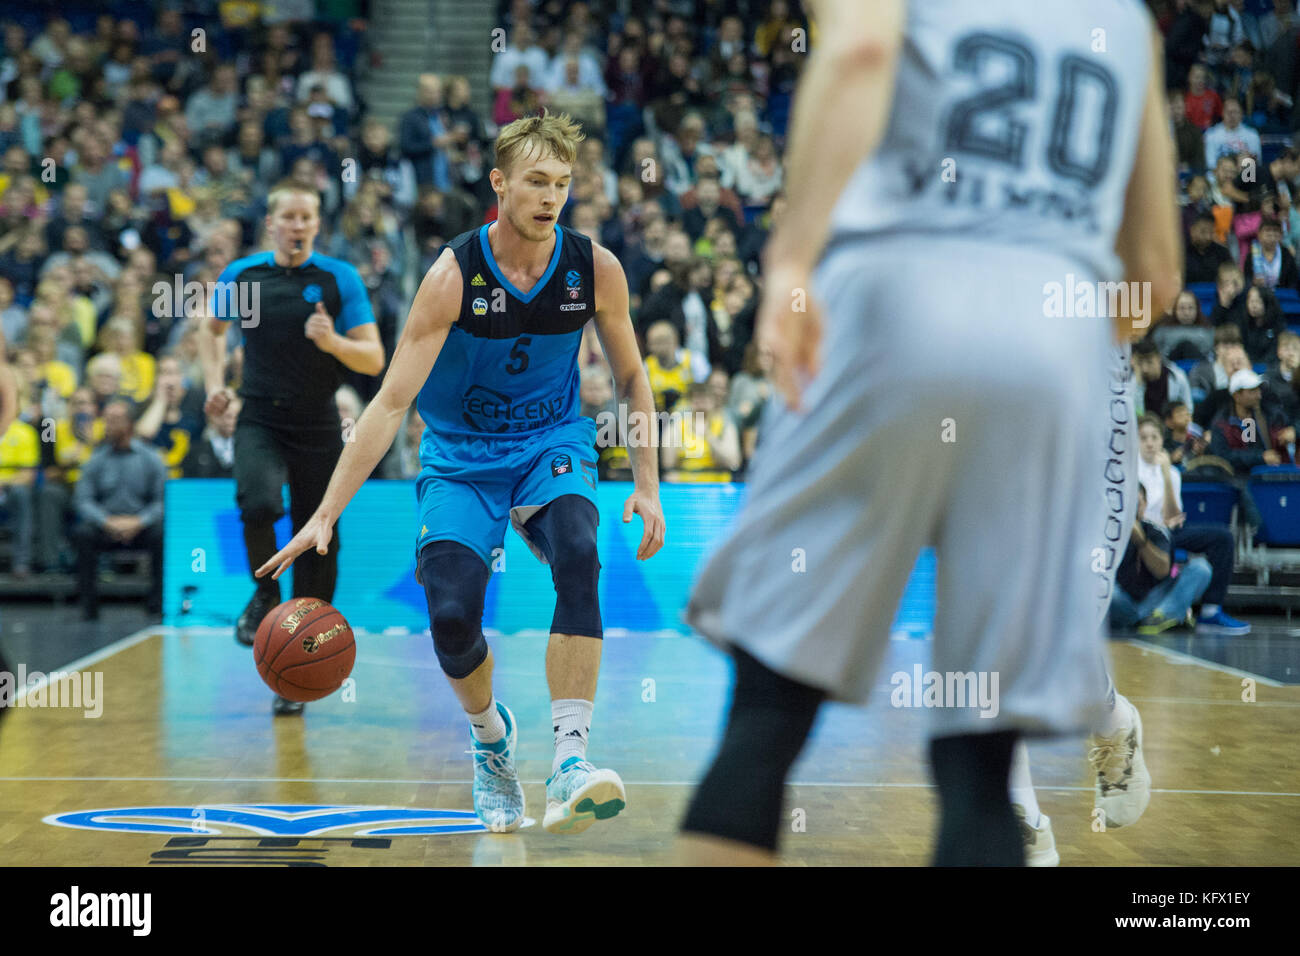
[1040, 845]
[577, 795]
[498, 797]
[1123, 786]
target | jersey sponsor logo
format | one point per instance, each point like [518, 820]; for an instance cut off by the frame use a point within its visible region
[487, 410]
[561, 465]
[573, 281]
[479, 306]
[572, 306]
[272, 820]
[478, 279]
[312, 293]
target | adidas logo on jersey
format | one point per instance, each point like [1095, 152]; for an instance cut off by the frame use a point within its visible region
[477, 280]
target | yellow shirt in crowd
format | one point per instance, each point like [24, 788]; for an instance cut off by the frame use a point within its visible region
[20, 449]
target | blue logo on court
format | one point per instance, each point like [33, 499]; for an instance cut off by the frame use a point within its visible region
[272, 819]
[312, 293]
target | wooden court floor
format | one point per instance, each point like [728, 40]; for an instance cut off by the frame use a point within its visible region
[186, 724]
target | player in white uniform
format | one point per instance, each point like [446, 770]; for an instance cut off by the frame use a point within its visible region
[950, 164]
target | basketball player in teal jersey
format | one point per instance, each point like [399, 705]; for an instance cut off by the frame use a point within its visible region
[489, 354]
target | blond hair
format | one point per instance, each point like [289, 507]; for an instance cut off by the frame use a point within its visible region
[283, 188]
[550, 134]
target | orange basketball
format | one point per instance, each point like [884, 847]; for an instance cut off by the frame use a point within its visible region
[304, 649]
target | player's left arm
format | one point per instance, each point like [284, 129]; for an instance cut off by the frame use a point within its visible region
[840, 112]
[631, 385]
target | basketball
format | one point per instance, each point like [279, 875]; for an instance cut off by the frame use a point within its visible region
[304, 649]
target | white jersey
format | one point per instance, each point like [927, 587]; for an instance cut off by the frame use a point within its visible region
[1014, 123]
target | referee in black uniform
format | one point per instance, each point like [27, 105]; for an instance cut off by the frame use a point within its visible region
[305, 320]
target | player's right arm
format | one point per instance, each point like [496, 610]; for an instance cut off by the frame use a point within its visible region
[434, 311]
[1150, 240]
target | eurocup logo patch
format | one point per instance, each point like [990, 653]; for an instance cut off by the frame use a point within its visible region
[272, 819]
[480, 306]
[312, 293]
[573, 280]
[561, 465]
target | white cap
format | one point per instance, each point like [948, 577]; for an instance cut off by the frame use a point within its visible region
[1242, 379]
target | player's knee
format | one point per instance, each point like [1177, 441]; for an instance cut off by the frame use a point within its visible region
[454, 580]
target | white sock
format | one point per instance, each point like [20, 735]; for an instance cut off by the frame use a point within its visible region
[1209, 610]
[488, 727]
[1119, 716]
[1022, 785]
[571, 719]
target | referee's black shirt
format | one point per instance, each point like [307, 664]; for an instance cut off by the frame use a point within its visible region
[287, 380]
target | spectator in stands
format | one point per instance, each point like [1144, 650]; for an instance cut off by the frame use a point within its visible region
[324, 72]
[438, 218]
[706, 446]
[685, 302]
[252, 160]
[1203, 106]
[645, 255]
[104, 376]
[1184, 439]
[1184, 333]
[1244, 435]
[1146, 595]
[122, 337]
[1281, 380]
[670, 367]
[73, 211]
[1270, 264]
[522, 50]
[761, 177]
[1264, 322]
[596, 393]
[425, 137]
[749, 393]
[13, 317]
[1225, 191]
[1188, 137]
[1164, 507]
[20, 456]
[1230, 292]
[210, 113]
[1209, 376]
[76, 433]
[470, 151]
[1204, 255]
[119, 499]
[707, 206]
[1158, 381]
[733, 315]
[580, 100]
[21, 263]
[173, 419]
[213, 454]
[98, 172]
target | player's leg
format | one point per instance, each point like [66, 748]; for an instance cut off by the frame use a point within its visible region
[455, 580]
[460, 526]
[311, 457]
[1118, 462]
[260, 473]
[805, 586]
[1122, 784]
[577, 792]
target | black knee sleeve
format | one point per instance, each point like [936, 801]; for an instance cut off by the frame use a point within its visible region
[740, 797]
[455, 583]
[977, 826]
[565, 531]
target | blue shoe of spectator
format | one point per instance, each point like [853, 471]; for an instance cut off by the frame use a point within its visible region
[1220, 623]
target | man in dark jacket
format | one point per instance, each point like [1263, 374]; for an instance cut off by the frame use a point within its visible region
[1246, 434]
[425, 135]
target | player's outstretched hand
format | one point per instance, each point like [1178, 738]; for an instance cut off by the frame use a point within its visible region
[316, 533]
[646, 504]
[790, 324]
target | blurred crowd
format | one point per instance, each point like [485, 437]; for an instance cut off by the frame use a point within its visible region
[1224, 357]
[138, 141]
